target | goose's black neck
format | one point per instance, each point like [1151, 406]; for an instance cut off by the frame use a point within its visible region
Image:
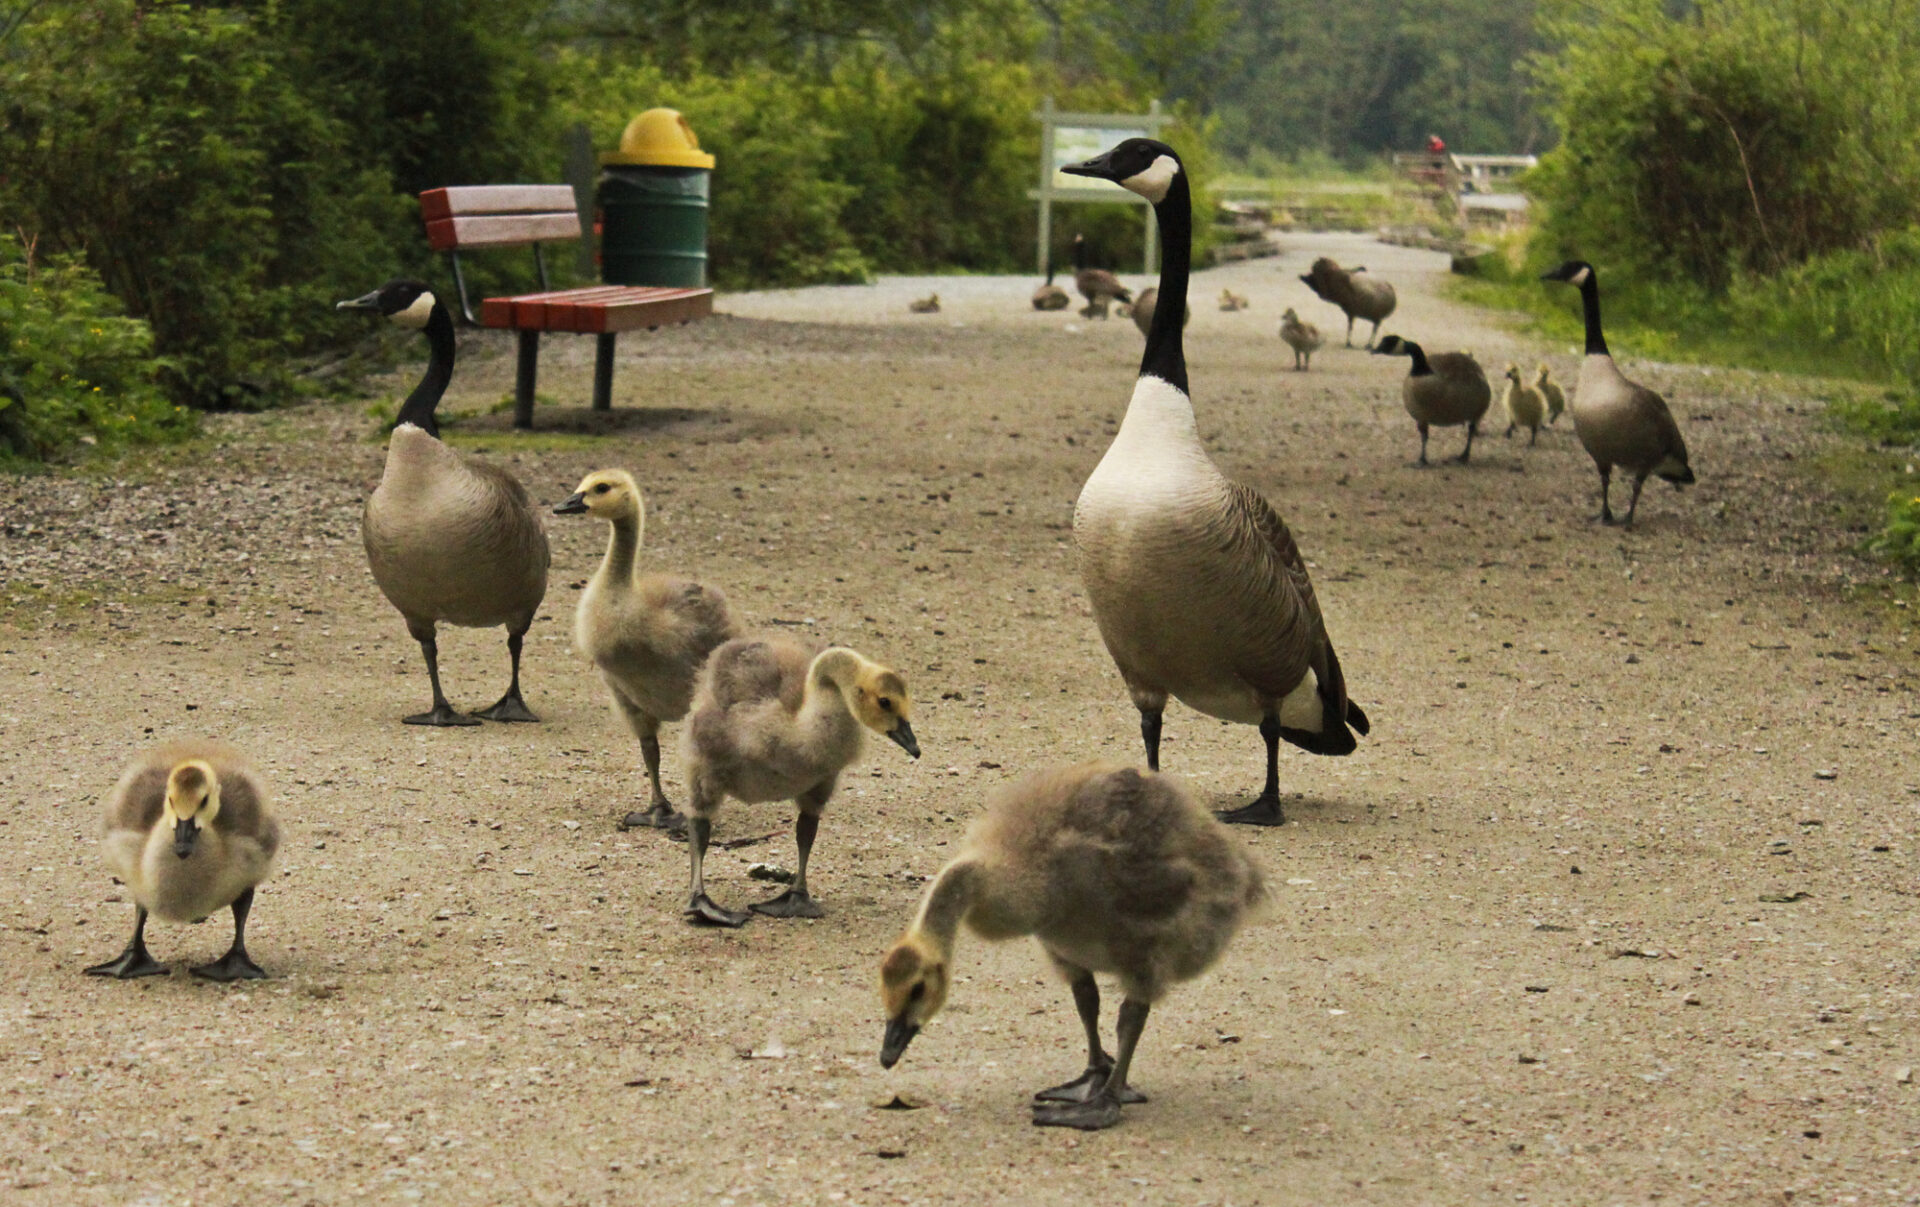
[1420, 366]
[1166, 356]
[419, 407]
[1590, 303]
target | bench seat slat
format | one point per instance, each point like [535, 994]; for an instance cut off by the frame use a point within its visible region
[501, 230]
[495, 199]
[597, 310]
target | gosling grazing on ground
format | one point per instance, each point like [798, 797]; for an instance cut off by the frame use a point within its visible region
[774, 720]
[449, 538]
[1551, 391]
[647, 634]
[1304, 338]
[1050, 296]
[1196, 583]
[1620, 422]
[188, 833]
[1360, 296]
[1446, 389]
[1230, 301]
[1113, 870]
[1097, 285]
[1525, 406]
[927, 305]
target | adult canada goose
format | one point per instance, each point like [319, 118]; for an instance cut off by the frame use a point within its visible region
[1446, 389]
[1304, 338]
[188, 833]
[1097, 285]
[1525, 406]
[1050, 296]
[449, 538]
[1620, 422]
[1196, 583]
[1113, 870]
[647, 634]
[775, 720]
[1230, 301]
[1360, 296]
[927, 305]
[1551, 391]
[1143, 306]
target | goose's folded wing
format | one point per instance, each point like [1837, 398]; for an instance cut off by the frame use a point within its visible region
[1261, 538]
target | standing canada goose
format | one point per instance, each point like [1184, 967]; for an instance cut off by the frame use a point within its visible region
[647, 634]
[1446, 389]
[927, 305]
[1230, 301]
[1196, 583]
[1097, 285]
[1551, 391]
[774, 720]
[1142, 310]
[449, 538]
[1525, 406]
[1360, 296]
[1050, 296]
[1112, 870]
[1620, 422]
[188, 833]
[1304, 338]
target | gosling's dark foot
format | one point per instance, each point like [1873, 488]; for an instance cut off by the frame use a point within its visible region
[1263, 812]
[131, 963]
[1084, 1087]
[442, 714]
[1100, 1111]
[510, 708]
[234, 966]
[789, 905]
[661, 816]
[701, 911]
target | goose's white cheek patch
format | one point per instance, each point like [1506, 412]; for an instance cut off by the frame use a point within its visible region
[1580, 277]
[1154, 182]
[415, 316]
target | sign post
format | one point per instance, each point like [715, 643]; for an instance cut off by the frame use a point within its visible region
[1067, 138]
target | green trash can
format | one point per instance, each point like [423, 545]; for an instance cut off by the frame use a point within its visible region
[653, 204]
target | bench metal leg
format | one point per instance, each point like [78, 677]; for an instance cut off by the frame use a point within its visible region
[523, 380]
[603, 372]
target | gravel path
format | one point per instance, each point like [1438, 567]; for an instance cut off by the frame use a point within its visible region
[1617, 904]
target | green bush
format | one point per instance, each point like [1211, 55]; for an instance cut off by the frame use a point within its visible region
[73, 367]
[1899, 540]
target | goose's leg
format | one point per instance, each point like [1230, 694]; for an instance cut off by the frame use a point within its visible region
[1606, 482]
[1265, 810]
[1467, 452]
[1376, 327]
[443, 713]
[134, 961]
[1422, 463]
[511, 707]
[1633, 504]
[700, 907]
[235, 965]
[795, 903]
[1102, 1110]
[1150, 735]
[1374, 336]
[659, 813]
[1533, 434]
[1086, 999]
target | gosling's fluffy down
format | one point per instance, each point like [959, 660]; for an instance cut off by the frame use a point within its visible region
[1551, 391]
[1304, 338]
[927, 305]
[1524, 405]
[1113, 870]
[188, 831]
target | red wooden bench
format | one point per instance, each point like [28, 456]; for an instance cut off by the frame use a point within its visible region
[517, 215]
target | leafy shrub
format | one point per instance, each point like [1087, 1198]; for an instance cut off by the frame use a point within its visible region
[73, 368]
[1899, 540]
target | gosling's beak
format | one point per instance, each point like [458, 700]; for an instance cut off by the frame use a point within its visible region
[902, 736]
[575, 504]
[900, 1033]
[185, 835]
[1100, 165]
[369, 302]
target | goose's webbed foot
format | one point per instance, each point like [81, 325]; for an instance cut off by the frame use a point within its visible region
[794, 903]
[131, 963]
[236, 965]
[661, 815]
[443, 714]
[702, 911]
[1264, 811]
[1087, 1086]
[1096, 1113]
[510, 707]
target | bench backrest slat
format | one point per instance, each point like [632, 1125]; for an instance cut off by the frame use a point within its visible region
[503, 215]
[501, 230]
[495, 199]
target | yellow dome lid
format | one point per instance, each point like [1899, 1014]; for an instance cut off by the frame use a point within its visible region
[659, 138]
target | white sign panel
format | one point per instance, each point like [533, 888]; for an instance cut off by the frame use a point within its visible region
[1075, 144]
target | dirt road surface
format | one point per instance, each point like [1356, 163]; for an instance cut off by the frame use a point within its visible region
[1617, 904]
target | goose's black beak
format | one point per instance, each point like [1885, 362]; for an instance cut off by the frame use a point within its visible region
[900, 1033]
[185, 835]
[901, 735]
[575, 504]
[1100, 166]
[369, 302]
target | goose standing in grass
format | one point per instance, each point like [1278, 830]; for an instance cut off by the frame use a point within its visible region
[1621, 423]
[774, 720]
[1113, 871]
[1050, 296]
[188, 833]
[1304, 338]
[1097, 285]
[1551, 391]
[1196, 583]
[1358, 295]
[450, 539]
[1525, 406]
[1446, 389]
[647, 634]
